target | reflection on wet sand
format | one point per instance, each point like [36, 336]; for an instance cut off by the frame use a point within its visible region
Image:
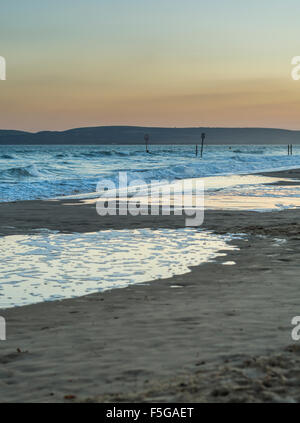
[51, 266]
[234, 192]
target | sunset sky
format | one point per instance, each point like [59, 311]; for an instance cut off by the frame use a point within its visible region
[74, 63]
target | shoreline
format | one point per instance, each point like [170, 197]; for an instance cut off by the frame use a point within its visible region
[28, 216]
[126, 344]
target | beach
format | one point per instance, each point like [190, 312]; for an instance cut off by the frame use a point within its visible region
[149, 205]
[219, 333]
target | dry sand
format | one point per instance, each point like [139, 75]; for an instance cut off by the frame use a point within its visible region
[223, 335]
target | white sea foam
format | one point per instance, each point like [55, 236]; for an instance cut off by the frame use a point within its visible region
[50, 266]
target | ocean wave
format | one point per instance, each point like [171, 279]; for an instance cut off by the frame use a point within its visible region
[106, 153]
[7, 157]
[20, 172]
[47, 171]
[248, 151]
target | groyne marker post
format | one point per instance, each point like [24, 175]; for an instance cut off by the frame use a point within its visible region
[146, 138]
[202, 142]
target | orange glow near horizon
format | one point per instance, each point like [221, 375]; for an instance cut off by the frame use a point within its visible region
[75, 64]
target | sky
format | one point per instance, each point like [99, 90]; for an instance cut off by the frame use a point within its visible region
[73, 63]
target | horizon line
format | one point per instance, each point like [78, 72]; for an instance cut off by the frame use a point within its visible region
[34, 132]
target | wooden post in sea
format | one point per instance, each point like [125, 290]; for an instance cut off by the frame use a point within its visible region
[291, 149]
[288, 149]
[146, 138]
[196, 150]
[202, 143]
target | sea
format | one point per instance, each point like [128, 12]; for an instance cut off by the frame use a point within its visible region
[49, 265]
[43, 172]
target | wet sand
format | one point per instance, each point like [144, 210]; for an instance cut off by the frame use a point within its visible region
[221, 335]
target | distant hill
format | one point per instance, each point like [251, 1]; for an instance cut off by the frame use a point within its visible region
[135, 135]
